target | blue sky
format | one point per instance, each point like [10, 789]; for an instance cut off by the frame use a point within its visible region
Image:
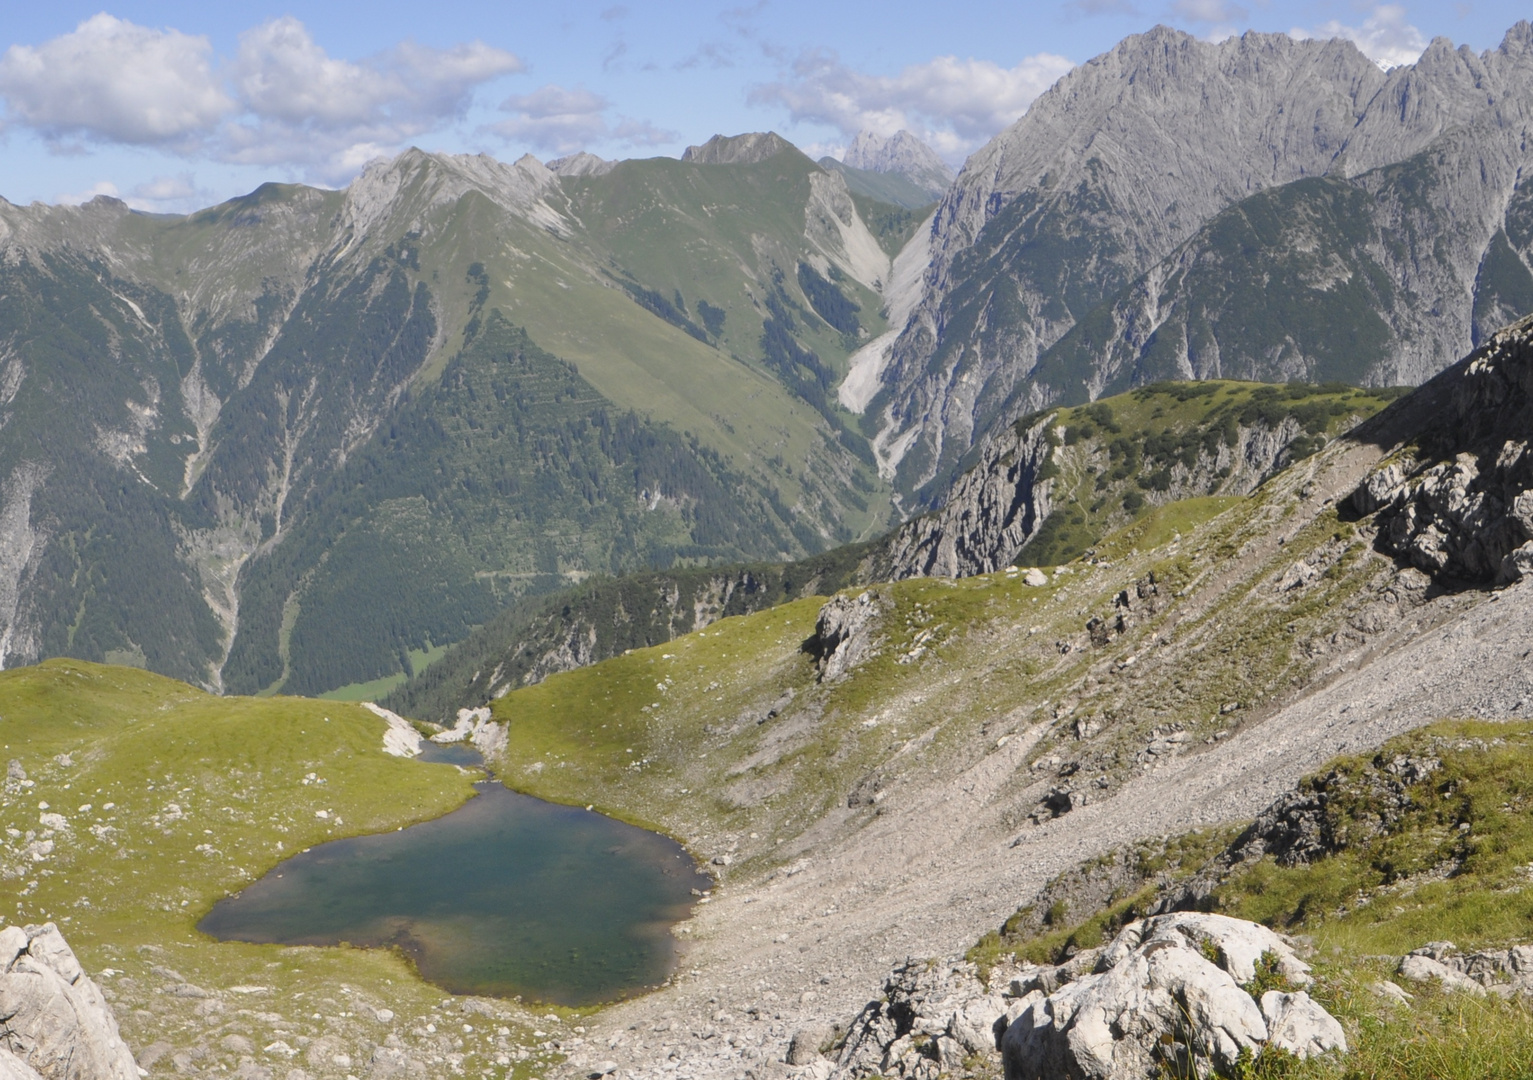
[175, 105]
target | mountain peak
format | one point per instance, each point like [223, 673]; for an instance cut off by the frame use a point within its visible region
[747, 149]
[901, 153]
[581, 164]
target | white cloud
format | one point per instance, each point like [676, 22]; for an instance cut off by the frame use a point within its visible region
[112, 81]
[100, 187]
[1210, 11]
[562, 121]
[953, 104]
[169, 194]
[280, 100]
[554, 119]
[1385, 37]
[303, 105]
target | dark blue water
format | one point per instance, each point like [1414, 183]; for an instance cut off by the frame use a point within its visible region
[453, 753]
[506, 895]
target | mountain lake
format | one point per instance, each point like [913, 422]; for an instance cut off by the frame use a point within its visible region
[507, 895]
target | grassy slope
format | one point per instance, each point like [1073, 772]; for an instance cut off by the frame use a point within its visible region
[129, 878]
[1131, 450]
[1450, 863]
[699, 230]
[675, 735]
[1143, 447]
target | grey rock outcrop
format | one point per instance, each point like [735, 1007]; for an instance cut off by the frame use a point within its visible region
[57, 1025]
[1152, 997]
[1155, 999]
[988, 516]
[1506, 972]
[845, 633]
[1458, 502]
[993, 509]
[581, 164]
[930, 1014]
[1297, 1024]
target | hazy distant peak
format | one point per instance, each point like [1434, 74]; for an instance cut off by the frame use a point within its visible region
[745, 149]
[900, 153]
[581, 164]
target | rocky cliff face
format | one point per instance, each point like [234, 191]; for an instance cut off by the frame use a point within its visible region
[996, 512]
[1074, 205]
[1456, 499]
[990, 513]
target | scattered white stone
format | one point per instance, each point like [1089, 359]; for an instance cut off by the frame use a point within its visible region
[1418, 968]
[1035, 577]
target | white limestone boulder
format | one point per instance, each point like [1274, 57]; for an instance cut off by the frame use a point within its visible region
[57, 1026]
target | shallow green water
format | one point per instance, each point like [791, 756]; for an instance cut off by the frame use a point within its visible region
[506, 895]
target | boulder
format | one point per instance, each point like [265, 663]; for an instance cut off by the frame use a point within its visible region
[1166, 994]
[58, 1025]
[1161, 1005]
[804, 1049]
[1239, 945]
[1502, 971]
[843, 633]
[1297, 1024]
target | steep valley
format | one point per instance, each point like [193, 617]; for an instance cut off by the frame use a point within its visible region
[588, 374]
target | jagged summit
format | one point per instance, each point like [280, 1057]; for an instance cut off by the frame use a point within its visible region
[903, 154]
[747, 149]
[1118, 271]
[581, 164]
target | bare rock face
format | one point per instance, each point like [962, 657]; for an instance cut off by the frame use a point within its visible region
[931, 1016]
[989, 515]
[1167, 994]
[57, 1025]
[1069, 221]
[844, 633]
[1460, 503]
[900, 153]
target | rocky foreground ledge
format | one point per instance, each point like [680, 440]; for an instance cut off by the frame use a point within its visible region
[1185, 992]
[54, 1022]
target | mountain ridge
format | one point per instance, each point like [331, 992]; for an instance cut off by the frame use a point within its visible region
[1038, 231]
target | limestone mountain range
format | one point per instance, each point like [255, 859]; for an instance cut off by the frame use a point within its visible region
[484, 381]
[1168, 209]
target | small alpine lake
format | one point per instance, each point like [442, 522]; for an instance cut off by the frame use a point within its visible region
[506, 895]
